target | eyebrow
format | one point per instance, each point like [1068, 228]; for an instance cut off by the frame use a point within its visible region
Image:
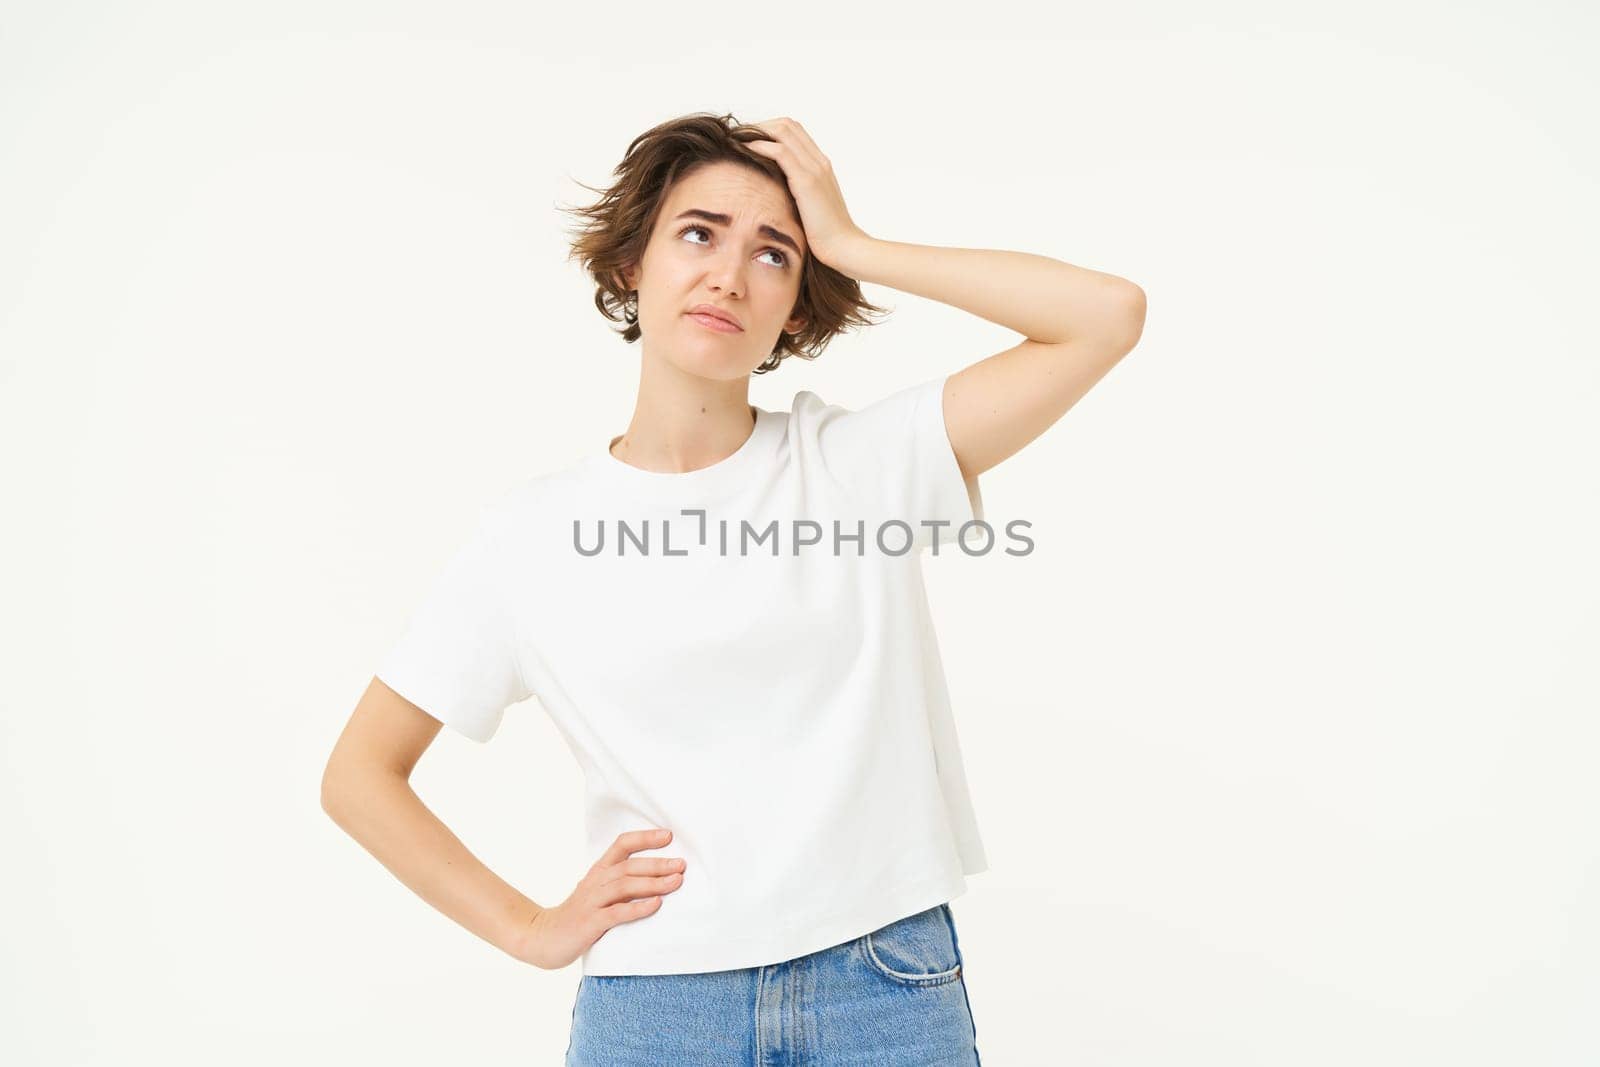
[726, 220]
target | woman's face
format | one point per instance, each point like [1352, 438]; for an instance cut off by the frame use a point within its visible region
[731, 263]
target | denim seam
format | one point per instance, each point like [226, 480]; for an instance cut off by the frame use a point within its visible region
[761, 978]
[956, 941]
[936, 978]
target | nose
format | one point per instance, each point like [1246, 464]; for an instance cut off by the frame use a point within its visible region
[726, 274]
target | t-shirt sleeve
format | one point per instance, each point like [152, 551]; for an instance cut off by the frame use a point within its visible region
[456, 656]
[895, 455]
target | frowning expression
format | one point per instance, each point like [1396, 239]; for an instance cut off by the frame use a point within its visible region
[725, 239]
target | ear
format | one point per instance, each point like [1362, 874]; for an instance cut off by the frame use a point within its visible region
[795, 324]
[627, 276]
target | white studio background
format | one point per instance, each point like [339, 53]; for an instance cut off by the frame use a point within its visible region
[1282, 740]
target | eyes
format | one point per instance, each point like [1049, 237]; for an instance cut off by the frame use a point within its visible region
[782, 255]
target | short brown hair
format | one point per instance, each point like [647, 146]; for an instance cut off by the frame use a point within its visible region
[617, 229]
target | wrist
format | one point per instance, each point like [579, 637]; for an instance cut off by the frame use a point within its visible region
[521, 922]
[841, 253]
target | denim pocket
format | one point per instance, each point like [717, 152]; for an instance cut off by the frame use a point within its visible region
[917, 950]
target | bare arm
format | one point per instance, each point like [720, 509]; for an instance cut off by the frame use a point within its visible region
[1077, 324]
[366, 789]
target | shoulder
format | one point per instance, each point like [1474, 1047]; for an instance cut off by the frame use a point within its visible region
[527, 504]
[886, 421]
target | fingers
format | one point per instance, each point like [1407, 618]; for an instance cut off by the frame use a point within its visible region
[623, 887]
[630, 898]
[792, 135]
[658, 865]
[634, 886]
[633, 841]
[628, 911]
[803, 139]
[637, 875]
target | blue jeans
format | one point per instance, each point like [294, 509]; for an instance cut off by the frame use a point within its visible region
[893, 997]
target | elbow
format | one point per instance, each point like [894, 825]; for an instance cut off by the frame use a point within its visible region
[334, 792]
[329, 807]
[349, 785]
[1136, 305]
[1132, 320]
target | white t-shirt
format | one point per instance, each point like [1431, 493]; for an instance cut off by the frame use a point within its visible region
[779, 706]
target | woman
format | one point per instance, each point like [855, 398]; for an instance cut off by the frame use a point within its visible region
[723, 613]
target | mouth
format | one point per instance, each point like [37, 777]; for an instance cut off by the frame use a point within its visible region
[714, 319]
